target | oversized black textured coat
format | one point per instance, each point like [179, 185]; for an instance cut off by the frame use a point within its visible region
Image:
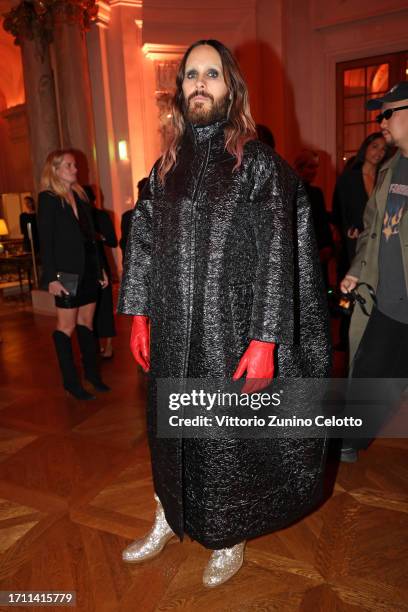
[215, 258]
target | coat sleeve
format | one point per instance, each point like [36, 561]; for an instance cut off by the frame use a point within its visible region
[135, 286]
[272, 217]
[47, 203]
[311, 317]
[369, 215]
[289, 305]
[124, 229]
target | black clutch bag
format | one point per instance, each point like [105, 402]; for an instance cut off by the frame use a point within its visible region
[69, 281]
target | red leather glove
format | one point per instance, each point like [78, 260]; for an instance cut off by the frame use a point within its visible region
[257, 361]
[140, 341]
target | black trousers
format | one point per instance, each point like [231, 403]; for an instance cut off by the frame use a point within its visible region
[382, 353]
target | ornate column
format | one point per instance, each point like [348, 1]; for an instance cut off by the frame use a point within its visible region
[71, 20]
[32, 31]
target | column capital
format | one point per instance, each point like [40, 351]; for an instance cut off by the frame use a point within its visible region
[35, 20]
[128, 3]
[80, 12]
[29, 21]
[104, 14]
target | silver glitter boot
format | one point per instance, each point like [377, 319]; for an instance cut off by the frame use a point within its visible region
[153, 543]
[223, 564]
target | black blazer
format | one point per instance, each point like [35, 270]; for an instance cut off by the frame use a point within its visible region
[61, 239]
[349, 201]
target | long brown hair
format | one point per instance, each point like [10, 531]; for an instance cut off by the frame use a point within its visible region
[240, 125]
[51, 182]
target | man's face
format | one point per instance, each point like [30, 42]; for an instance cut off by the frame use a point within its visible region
[206, 95]
[395, 129]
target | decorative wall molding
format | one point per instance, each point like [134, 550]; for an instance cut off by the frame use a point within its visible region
[332, 13]
[105, 9]
[198, 5]
[162, 52]
[128, 3]
[104, 14]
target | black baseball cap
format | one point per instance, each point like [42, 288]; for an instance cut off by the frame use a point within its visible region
[396, 93]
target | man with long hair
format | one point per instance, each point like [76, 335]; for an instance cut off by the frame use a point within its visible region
[222, 277]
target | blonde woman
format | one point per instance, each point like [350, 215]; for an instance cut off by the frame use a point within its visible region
[67, 242]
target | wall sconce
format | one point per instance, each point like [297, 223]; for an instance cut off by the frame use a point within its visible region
[123, 150]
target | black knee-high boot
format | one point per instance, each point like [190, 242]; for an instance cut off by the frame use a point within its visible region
[69, 373]
[89, 352]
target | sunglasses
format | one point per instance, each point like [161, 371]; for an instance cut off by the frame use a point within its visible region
[387, 114]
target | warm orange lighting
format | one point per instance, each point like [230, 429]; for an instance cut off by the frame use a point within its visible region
[123, 150]
[104, 14]
[128, 3]
[3, 228]
[162, 52]
[380, 78]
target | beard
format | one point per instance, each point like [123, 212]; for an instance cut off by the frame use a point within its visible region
[388, 138]
[198, 113]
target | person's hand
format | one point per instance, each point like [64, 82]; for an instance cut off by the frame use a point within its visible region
[348, 283]
[353, 233]
[257, 362]
[140, 341]
[57, 288]
[105, 282]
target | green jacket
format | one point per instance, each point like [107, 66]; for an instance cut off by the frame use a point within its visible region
[365, 263]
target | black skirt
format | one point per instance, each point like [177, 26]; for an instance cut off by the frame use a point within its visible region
[88, 286]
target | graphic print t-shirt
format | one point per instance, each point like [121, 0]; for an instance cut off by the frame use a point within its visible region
[392, 297]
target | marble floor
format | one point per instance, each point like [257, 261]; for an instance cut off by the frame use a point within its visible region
[75, 489]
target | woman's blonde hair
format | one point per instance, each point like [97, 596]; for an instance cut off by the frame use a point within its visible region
[240, 126]
[51, 182]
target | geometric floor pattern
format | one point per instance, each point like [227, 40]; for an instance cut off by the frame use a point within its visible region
[75, 489]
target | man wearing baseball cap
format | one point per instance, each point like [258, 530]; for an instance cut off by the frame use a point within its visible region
[379, 342]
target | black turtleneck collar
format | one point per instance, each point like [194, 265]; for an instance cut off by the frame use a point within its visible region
[202, 133]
